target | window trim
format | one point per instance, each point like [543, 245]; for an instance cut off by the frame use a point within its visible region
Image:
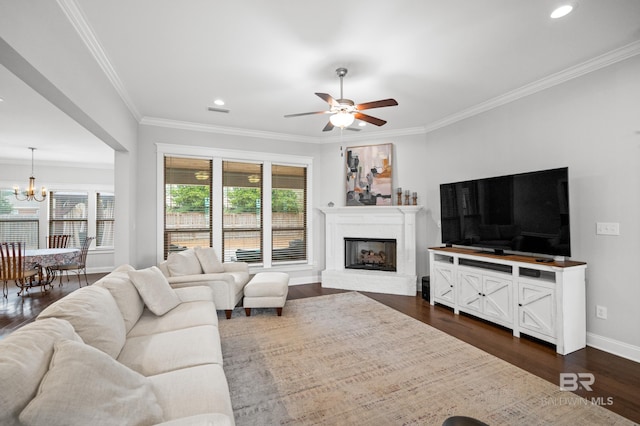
[217, 155]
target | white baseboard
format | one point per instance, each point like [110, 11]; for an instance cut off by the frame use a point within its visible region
[615, 347]
[100, 270]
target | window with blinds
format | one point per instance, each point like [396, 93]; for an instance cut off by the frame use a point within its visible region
[105, 205]
[187, 205]
[242, 212]
[289, 213]
[19, 220]
[68, 215]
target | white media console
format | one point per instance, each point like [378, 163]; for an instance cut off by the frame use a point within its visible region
[543, 299]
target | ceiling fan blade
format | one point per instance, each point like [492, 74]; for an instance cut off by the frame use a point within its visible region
[327, 98]
[214, 109]
[328, 127]
[307, 113]
[354, 129]
[369, 119]
[377, 104]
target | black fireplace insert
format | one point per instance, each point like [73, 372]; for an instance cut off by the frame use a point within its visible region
[376, 254]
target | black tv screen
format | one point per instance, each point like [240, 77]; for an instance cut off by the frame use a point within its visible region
[526, 213]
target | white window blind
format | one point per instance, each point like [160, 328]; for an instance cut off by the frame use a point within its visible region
[289, 213]
[242, 211]
[19, 220]
[105, 205]
[187, 195]
[68, 215]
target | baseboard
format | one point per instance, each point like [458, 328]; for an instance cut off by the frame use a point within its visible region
[614, 347]
[308, 279]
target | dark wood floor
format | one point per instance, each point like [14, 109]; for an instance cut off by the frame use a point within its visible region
[616, 379]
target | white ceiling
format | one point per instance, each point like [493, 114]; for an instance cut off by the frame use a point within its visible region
[441, 60]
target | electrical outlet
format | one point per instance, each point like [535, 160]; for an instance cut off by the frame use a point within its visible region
[601, 312]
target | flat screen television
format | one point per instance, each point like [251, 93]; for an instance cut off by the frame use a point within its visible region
[519, 213]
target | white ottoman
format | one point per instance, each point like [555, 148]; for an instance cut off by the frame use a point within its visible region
[266, 290]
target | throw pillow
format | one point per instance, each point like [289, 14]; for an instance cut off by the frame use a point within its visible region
[86, 386]
[209, 260]
[155, 290]
[184, 263]
[95, 316]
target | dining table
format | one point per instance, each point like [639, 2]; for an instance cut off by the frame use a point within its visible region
[47, 261]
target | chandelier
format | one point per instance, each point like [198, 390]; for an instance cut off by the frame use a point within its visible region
[30, 193]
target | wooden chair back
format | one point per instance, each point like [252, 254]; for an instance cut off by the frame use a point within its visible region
[11, 261]
[58, 241]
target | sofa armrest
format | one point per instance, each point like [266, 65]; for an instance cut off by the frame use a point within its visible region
[209, 419]
[195, 293]
[236, 267]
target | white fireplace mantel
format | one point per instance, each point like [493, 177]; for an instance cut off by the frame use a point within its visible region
[396, 222]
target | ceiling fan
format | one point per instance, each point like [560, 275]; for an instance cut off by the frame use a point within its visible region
[344, 111]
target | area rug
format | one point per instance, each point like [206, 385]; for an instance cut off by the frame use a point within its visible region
[345, 359]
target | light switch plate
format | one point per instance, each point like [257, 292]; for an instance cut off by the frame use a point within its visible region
[607, 228]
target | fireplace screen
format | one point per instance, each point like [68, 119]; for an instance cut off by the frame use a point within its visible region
[370, 253]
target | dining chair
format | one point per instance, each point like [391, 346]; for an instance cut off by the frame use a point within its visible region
[80, 265]
[12, 267]
[58, 241]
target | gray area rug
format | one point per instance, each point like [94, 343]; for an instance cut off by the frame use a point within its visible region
[345, 359]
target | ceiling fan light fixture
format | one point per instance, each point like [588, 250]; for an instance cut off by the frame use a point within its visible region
[561, 11]
[202, 175]
[342, 119]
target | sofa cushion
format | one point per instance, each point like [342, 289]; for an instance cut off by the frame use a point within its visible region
[86, 386]
[126, 296]
[155, 290]
[95, 316]
[25, 355]
[184, 263]
[185, 315]
[174, 391]
[209, 260]
[172, 350]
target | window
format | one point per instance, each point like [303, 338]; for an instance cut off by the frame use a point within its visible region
[253, 206]
[105, 204]
[187, 209]
[19, 220]
[242, 211]
[68, 215]
[289, 213]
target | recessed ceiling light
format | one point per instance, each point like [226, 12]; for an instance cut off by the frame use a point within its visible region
[219, 102]
[561, 11]
[362, 124]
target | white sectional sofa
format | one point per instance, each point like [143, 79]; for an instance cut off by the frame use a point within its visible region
[201, 267]
[127, 350]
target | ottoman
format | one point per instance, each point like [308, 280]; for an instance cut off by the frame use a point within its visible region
[266, 290]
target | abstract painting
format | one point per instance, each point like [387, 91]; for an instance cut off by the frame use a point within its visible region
[369, 175]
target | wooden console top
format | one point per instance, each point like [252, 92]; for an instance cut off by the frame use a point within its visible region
[509, 257]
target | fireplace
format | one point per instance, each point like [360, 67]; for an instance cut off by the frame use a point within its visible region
[373, 254]
[361, 225]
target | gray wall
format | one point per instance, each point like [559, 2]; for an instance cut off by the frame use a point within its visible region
[592, 125]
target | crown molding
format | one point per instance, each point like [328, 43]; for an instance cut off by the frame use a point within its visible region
[73, 12]
[210, 128]
[234, 131]
[379, 134]
[599, 62]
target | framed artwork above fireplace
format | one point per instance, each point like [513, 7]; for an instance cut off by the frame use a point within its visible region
[368, 175]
